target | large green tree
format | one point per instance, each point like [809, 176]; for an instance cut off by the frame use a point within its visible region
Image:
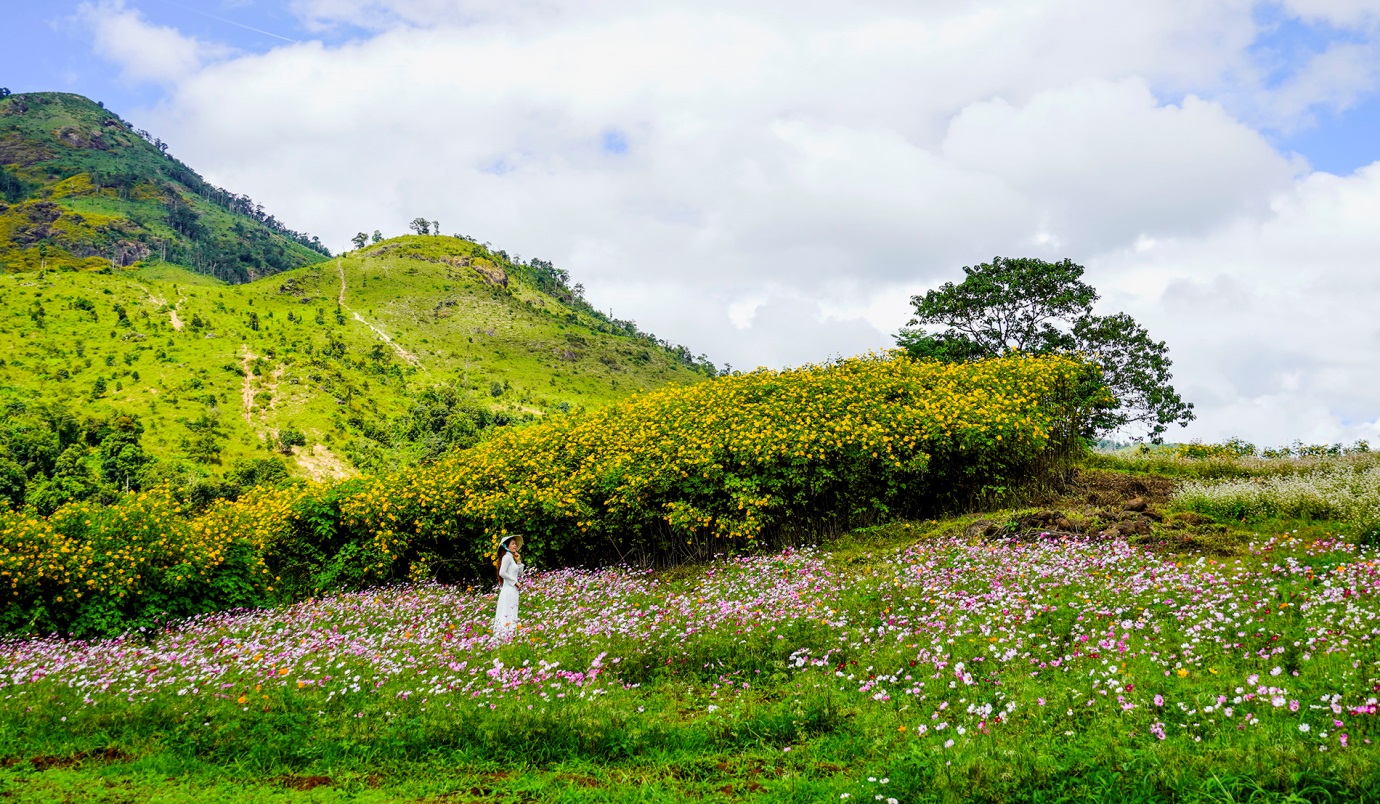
[1029, 305]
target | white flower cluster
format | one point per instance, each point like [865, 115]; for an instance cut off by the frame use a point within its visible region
[1342, 494]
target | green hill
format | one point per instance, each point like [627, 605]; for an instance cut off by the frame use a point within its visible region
[81, 188]
[384, 357]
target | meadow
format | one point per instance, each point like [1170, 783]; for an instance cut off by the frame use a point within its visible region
[911, 662]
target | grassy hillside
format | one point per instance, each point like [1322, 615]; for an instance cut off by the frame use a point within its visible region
[369, 361]
[80, 188]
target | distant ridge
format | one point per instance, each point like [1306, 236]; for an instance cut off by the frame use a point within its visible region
[81, 188]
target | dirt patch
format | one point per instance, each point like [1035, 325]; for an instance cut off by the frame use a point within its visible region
[43, 763]
[1100, 487]
[247, 394]
[305, 782]
[273, 381]
[172, 311]
[322, 465]
[1100, 504]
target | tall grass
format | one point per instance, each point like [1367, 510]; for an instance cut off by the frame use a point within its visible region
[1335, 492]
[1219, 465]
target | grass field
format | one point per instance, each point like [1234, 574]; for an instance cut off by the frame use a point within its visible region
[1128, 649]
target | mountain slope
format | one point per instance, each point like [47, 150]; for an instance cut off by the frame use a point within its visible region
[80, 188]
[365, 362]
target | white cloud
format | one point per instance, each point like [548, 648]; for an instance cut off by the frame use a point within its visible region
[1110, 164]
[784, 176]
[144, 52]
[1336, 12]
[1271, 322]
[1334, 79]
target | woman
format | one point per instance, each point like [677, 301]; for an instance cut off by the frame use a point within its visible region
[509, 572]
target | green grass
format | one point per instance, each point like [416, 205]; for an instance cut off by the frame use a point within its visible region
[655, 734]
[333, 379]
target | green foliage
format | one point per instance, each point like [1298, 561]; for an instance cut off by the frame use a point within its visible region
[340, 383]
[290, 437]
[147, 566]
[1029, 305]
[206, 436]
[694, 471]
[12, 188]
[437, 421]
[660, 478]
[1338, 493]
[1235, 458]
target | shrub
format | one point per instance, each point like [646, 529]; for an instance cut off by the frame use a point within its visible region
[89, 569]
[697, 470]
[684, 472]
[290, 437]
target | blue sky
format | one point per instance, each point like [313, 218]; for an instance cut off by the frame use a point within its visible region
[770, 181]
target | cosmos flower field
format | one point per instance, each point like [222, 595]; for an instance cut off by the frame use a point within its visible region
[925, 665]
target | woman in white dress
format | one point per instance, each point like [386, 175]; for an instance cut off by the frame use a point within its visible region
[509, 572]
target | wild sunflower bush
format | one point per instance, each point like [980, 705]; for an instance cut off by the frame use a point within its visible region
[678, 473]
[696, 470]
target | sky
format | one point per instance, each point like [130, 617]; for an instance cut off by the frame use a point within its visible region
[769, 183]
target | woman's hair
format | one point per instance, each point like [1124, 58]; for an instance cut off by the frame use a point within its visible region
[498, 557]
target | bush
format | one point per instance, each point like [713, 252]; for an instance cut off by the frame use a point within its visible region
[89, 569]
[684, 472]
[290, 437]
[689, 472]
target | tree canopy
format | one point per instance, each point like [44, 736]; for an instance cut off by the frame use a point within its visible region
[1029, 305]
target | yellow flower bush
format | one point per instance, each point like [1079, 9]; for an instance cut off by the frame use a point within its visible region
[682, 471]
[700, 468]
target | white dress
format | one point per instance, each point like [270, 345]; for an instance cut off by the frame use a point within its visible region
[506, 619]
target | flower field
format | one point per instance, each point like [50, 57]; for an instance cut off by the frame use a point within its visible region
[1335, 493]
[936, 668]
[680, 473]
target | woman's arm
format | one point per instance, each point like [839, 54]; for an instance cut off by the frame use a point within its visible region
[510, 569]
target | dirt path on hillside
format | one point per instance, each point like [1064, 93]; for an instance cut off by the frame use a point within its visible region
[247, 395]
[406, 356]
[273, 380]
[172, 311]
